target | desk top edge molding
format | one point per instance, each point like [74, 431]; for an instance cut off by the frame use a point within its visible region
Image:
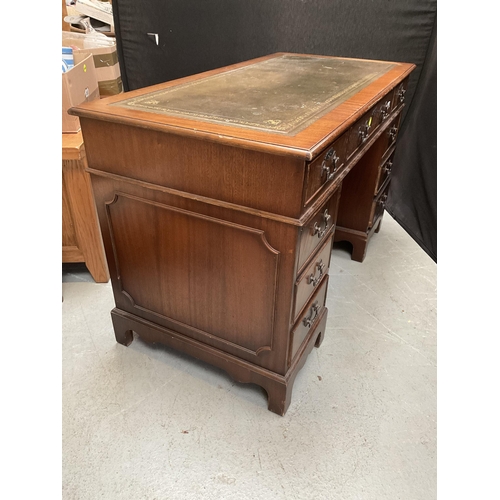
[306, 144]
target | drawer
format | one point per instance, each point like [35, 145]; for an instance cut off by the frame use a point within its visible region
[316, 231]
[325, 168]
[378, 206]
[312, 276]
[390, 134]
[310, 318]
[361, 131]
[383, 109]
[384, 171]
[399, 94]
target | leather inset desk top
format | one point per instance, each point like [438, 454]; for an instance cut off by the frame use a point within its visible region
[282, 95]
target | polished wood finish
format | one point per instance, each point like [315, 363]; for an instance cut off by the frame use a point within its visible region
[81, 237]
[366, 187]
[325, 168]
[309, 318]
[307, 144]
[385, 169]
[316, 232]
[186, 164]
[310, 279]
[215, 235]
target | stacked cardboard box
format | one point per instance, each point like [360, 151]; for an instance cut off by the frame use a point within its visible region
[79, 84]
[103, 50]
[96, 71]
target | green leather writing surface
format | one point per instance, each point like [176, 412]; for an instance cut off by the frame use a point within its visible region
[280, 95]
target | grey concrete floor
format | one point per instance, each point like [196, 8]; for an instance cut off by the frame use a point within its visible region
[145, 422]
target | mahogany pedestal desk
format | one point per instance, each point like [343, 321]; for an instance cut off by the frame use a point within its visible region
[81, 237]
[219, 197]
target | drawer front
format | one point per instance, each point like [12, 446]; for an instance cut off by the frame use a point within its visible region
[378, 206]
[312, 277]
[310, 317]
[325, 168]
[385, 170]
[317, 230]
[383, 109]
[361, 131]
[399, 94]
[390, 134]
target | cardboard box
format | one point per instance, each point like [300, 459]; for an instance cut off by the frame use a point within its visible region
[103, 50]
[79, 84]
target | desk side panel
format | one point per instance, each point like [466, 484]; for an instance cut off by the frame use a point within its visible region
[253, 179]
[218, 276]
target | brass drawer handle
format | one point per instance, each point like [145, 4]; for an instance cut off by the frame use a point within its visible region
[384, 110]
[382, 200]
[313, 280]
[401, 95]
[393, 132]
[388, 166]
[330, 153]
[364, 131]
[308, 321]
[332, 157]
[325, 168]
[317, 229]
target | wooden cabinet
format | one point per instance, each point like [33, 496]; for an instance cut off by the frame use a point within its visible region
[218, 197]
[81, 237]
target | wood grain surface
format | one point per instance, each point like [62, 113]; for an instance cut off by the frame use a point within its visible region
[81, 235]
[218, 237]
[305, 144]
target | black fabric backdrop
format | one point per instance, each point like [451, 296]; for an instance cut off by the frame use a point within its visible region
[200, 35]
